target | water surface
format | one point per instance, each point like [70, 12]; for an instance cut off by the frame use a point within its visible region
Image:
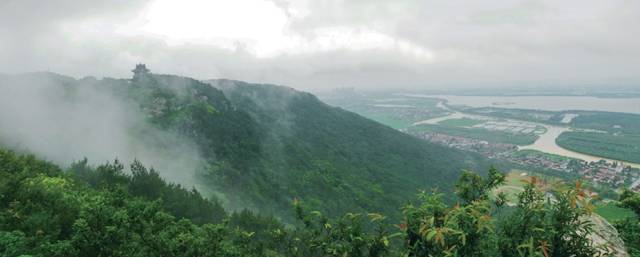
[547, 103]
[545, 143]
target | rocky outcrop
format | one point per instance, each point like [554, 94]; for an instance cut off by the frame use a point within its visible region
[607, 235]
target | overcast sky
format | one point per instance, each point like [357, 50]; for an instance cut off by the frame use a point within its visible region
[323, 44]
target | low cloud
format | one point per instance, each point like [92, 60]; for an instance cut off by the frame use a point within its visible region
[415, 45]
[61, 120]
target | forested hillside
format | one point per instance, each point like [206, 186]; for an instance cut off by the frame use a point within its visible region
[317, 152]
[102, 211]
[325, 182]
[254, 146]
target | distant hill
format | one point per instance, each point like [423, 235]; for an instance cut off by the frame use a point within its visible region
[261, 146]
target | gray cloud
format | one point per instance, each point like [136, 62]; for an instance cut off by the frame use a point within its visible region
[473, 44]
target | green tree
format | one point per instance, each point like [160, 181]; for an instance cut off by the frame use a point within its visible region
[629, 228]
[552, 223]
[434, 229]
[346, 236]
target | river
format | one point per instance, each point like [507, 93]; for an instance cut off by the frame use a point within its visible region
[545, 143]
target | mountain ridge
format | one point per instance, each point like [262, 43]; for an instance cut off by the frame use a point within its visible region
[262, 145]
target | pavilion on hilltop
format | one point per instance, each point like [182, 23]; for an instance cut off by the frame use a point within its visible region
[141, 69]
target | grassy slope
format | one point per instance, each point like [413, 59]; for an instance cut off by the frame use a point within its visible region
[613, 213]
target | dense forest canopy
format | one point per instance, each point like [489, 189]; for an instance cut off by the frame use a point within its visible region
[227, 168]
[252, 146]
[102, 211]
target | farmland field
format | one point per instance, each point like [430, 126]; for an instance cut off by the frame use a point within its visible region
[478, 133]
[462, 122]
[619, 147]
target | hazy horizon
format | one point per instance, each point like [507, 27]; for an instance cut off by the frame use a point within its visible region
[320, 45]
[319, 128]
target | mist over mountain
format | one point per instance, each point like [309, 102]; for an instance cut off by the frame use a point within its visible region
[226, 161]
[319, 128]
[253, 146]
[65, 120]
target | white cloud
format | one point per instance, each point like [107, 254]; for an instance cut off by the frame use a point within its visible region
[329, 43]
[260, 27]
[219, 22]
